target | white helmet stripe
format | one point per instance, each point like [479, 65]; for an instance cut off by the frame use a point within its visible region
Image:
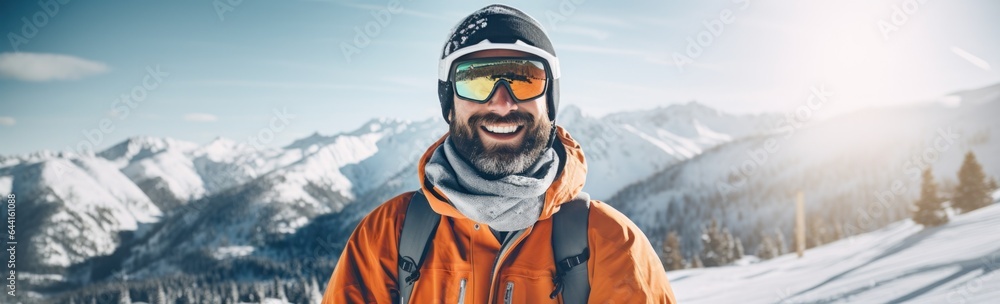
[444, 66]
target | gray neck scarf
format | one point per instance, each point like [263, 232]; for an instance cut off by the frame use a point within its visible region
[510, 203]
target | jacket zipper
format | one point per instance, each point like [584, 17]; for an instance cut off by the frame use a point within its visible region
[461, 291]
[500, 257]
[509, 295]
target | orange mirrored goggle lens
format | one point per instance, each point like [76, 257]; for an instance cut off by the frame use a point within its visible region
[477, 79]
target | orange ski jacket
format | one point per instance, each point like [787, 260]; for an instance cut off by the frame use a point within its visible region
[461, 265]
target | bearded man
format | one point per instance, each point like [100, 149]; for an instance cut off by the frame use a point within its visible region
[500, 216]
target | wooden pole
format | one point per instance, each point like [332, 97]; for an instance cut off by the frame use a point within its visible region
[800, 224]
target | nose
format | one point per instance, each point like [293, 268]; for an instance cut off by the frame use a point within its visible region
[501, 102]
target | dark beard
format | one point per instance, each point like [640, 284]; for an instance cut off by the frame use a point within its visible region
[498, 160]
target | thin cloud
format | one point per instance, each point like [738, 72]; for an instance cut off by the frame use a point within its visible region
[40, 67]
[7, 121]
[200, 117]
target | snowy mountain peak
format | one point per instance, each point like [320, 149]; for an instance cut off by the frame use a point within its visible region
[380, 124]
[675, 113]
[377, 125]
[696, 107]
[310, 140]
[219, 142]
[696, 121]
[32, 157]
[569, 114]
[138, 147]
[974, 96]
[221, 148]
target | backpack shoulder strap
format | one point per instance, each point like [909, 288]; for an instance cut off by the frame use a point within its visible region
[571, 250]
[418, 230]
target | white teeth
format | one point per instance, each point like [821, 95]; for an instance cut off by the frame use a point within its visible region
[501, 129]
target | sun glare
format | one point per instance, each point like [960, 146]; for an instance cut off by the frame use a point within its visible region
[842, 45]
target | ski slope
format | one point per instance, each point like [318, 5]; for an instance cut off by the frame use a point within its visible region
[902, 263]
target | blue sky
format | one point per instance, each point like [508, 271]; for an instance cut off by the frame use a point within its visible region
[226, 67]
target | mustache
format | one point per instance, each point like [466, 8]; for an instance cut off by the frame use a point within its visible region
[519, 118]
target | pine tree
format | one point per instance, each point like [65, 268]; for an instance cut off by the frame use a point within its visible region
[838, 231]
[159, 297]
[713, 247]
[279, 290]
[211, 297]
[729, 247]
[738, 249]
[973, 191]
[124, 297]
[234, 293]
[171, 293]
[259, 291]
[672, 259]
[819, 233]
[766, 249]
[188, 296]
[696, 262]
[930, 212]
[315, 296]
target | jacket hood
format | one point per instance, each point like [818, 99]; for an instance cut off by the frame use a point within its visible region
[566, 186]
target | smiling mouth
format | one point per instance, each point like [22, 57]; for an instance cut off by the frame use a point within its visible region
[502, 131]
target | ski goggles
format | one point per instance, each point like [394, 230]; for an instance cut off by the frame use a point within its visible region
[476, 80]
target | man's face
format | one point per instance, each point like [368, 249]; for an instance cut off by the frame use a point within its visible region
[497, 153]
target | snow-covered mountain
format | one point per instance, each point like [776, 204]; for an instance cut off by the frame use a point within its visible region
[624, 148]
[74, 208]
[316, 175]
[953, 263]
[173, 173]
[858, 172]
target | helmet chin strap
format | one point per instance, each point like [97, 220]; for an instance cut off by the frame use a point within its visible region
[552, 135]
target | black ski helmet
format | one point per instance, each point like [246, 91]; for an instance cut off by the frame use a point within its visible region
[497, 27]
